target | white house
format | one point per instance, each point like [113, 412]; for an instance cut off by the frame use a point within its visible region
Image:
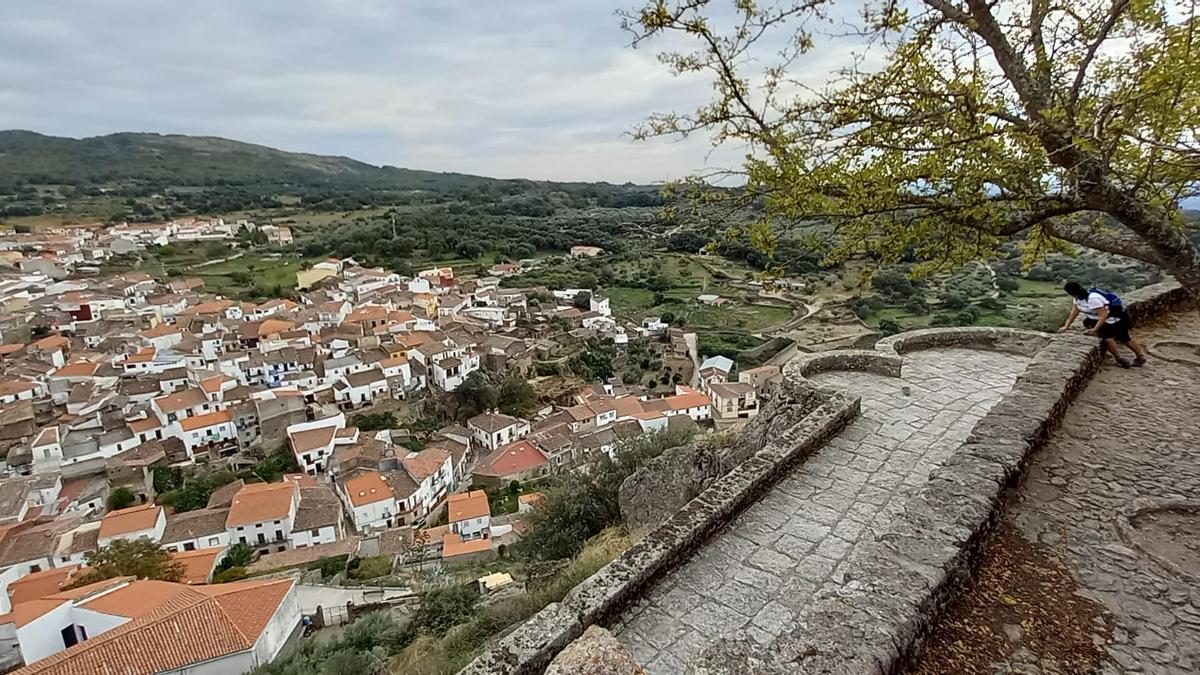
[470, 515]
[211, 430]
[262, 514]
[369, 500]
[136, 522]
[361, 388]
[180, 628]
[493, 430]
[312, 442]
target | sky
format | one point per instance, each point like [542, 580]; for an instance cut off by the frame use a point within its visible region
[543, 89]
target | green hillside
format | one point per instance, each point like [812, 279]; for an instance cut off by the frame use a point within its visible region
[175, 160]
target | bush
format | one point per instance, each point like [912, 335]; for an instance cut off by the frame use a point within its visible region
[231, 574]
[374, 421]
[577, 507]
[441, 608]
[331, 567]
[370, 568]
[120, 498]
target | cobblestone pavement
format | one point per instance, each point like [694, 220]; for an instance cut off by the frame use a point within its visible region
[753, 578]
[1115, 492]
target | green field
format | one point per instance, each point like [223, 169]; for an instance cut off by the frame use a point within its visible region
[1029, 302]
[266, 274]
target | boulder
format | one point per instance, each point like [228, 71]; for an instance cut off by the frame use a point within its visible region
[596, 652]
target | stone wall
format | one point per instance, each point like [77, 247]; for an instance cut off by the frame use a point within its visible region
[769, 450]
[1012, 340]
[674, 478]
[876, 619]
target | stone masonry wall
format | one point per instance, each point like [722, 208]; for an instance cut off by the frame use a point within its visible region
[876, 619]
[772, 451]
[673, 479]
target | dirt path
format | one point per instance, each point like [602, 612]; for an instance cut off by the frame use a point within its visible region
[1096, 566]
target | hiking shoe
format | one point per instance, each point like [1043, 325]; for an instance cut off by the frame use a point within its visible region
[1139, 362]
[1123, 362]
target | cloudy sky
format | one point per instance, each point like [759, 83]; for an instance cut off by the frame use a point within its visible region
[525, 88]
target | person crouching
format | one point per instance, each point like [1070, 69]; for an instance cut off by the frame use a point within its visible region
[1104, 315]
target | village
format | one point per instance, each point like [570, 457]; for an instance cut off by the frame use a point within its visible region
[120, 393]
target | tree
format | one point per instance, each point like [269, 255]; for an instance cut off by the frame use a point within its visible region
[971, 123]
[476, 395]
[121, 558]
[238, 555]
[120, 498]
[517, 397]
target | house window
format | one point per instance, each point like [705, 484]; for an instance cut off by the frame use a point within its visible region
[189, 546]
[214, 541]
[316, 532]
[278, 535]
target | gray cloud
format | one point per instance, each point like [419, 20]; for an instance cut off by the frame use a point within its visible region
[534, 88]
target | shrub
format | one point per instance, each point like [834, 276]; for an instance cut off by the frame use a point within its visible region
[120, 498]
[231, 574]
[372, 567]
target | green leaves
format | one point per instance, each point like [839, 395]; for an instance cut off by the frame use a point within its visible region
[970, 124]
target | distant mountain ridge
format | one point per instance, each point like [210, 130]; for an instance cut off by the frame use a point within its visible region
[179, 160]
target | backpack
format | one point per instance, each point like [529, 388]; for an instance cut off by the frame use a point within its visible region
[1113, 300]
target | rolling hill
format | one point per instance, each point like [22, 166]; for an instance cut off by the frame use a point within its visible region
[176, 160]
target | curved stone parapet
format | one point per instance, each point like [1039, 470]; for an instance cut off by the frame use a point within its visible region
[803, 366]
[1009, 340]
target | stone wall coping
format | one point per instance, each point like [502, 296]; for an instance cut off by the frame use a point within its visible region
[803, 366]
[1012, 340]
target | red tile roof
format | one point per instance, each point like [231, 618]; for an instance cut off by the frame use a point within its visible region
[466, 505]
[176, 625]
[512, 458]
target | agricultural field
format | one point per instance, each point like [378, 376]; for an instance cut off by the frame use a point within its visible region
[667, 285]
[246, 276]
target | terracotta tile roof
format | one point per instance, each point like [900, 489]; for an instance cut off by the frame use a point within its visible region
[51, 343]
[144, 424]
[208, 420]
[628, 406]
[304, 441]
[510, 459]
[425, 463]
[39, 584]
[258, 502]
[213, 384]
[689, 400]
[181, 527]
[12, 348]
[366, 487]
[77, 369]
[492, 422]
[181, 400]
[198, 565]
[159, 330]
[132, 519]
[13, 387]
[274, 326]
[453, 545]
[466, 505]
[189, 624]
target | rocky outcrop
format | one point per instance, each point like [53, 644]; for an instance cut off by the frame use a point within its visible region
[597, 652]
